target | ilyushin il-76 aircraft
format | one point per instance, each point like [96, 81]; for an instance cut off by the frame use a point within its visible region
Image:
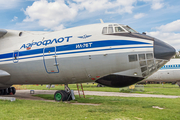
[111, 54]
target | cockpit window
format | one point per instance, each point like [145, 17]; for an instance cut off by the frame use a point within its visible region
[118, 29]
[104, 30]
[110, 29]
[115, 24]
[129, 29]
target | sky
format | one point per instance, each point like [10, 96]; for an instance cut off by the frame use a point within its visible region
[158, 18]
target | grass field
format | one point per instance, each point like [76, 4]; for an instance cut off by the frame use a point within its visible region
[165, 89]
[110, 108]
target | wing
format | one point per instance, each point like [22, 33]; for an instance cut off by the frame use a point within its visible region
[2, 32]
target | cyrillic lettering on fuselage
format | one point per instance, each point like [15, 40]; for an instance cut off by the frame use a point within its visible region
[47, 42]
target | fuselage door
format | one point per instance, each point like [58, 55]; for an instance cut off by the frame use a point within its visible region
[16, 56]
[50, 62]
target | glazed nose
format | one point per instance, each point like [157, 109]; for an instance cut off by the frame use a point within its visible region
[163, 50]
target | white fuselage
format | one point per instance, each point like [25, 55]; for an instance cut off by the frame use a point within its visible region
[75, 55]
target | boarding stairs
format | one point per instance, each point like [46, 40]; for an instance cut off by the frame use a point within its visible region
[80, 90]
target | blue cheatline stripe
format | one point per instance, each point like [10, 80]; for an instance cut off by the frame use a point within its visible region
[94, 44]
[78, 52]
[166, 67]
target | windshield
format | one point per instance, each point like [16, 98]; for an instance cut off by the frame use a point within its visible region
[129, 29]
[118, 29]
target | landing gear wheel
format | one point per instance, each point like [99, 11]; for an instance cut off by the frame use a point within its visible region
[2, 92]
[60, 95]
[10, 91]
[6, 91]
[13, 90]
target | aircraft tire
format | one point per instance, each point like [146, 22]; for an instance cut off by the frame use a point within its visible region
[60, 95]
[2, 92]
[13, 90]
[5, 92]
[66, 95]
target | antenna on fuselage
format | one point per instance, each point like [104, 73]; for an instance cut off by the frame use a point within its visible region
[101, 21]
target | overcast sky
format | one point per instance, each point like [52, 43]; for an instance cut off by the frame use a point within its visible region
[159, 18]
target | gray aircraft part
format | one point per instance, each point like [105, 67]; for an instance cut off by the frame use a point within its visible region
[2, 32]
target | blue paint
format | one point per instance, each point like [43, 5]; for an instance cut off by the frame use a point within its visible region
[84, 36]
[95, 44]
[79, 52]
[46, 42]
[166, 67]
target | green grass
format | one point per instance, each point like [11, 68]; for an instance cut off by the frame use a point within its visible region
[165, 89]
[110, 108]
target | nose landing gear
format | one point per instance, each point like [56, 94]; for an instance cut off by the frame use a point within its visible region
[64, 95]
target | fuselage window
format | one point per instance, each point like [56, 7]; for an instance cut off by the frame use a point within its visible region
[143, 69]
[104, 30]
[150, 62]
[110, 29]
[142, 63]
[132, 58]
[118, 29]
[149, 56]
[142, 57]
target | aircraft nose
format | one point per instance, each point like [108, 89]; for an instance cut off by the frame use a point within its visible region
[163, 50]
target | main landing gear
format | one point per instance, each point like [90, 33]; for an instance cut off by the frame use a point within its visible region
[64, 95]
[8, 91]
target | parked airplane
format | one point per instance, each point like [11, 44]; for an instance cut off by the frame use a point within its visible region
[170, 72]
[111, 54]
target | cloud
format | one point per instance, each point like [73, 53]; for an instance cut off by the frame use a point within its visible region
[60, 27]
[9, 4]
[155, 4]
[15, 18]
[121, 6]
[166, 33]
[28, 26]
[139, 15]
[170, 38]
[170, 27]
[52, 14]
[49, 14]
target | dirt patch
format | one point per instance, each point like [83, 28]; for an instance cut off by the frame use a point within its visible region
[157, 107]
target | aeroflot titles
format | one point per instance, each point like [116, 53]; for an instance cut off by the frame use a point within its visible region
[46, 42]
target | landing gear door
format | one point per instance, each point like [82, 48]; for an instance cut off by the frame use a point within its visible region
[50, 62]
[16, 56]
